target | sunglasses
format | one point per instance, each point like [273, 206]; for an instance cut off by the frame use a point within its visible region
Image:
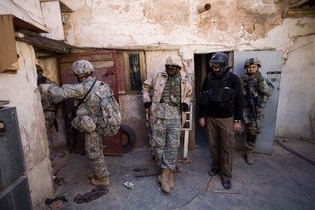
[171, 67]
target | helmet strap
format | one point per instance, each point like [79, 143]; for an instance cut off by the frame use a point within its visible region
[81, 77]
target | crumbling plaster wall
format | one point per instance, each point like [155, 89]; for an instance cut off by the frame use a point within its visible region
[50, 66]
[53, 22]
[137, 23]
[297, 92]
[229, 25]
[29, 11]
[22, 92]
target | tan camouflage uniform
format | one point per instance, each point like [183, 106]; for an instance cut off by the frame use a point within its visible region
[85, 120]
[165, 114]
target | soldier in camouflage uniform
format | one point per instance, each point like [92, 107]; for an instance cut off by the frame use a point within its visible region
[171, 95]
[50, 111]
[84, 120]
[256, 90]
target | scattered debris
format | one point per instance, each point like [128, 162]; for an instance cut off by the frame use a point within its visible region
[56, 202]
[185, 161]
[210, 183]
[139, 169]
[225, 192]
[129, 185]
[93, 195]
[58, 181]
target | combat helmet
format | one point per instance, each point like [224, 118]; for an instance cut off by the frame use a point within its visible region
[174, 60]
[82, 67]
[252, 61]
[219, 59]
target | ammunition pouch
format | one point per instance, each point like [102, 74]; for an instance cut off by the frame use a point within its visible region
[205, 98]
[218, 92]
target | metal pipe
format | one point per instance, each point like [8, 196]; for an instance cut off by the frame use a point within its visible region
[203, 7]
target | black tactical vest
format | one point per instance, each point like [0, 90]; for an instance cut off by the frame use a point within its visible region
[217, 91]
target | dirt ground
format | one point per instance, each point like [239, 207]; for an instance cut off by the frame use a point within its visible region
[283, 180]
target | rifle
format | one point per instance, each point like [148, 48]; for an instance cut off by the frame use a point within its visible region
[73, 131]
[251, 99]
[55, 120]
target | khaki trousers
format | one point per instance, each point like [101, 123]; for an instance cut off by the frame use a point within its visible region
[221, 141]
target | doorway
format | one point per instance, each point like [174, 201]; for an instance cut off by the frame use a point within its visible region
[202, 68]
[271, 69]
[105, 69]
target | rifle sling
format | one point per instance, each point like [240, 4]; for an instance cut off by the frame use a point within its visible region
[81, 101]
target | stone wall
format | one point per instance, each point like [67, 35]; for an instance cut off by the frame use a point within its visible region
[228, 26]
[22, 92]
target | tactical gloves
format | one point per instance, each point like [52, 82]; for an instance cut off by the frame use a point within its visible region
[184, 107]
[147, 105]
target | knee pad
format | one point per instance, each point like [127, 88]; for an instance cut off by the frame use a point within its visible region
[84, 123]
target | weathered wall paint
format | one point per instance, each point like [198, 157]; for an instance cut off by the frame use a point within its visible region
[159, 28]
[50, 66]
[142, 23]
[27, 10]
[44, 15]
[296, 101]
[229, 25]
[22, 92]
[52, 20]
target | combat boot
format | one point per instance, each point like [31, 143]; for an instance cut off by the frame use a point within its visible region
[163, 178]
[249, 157]
[100, 181]
[171, 180]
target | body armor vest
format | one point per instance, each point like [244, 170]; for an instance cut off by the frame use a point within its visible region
[250, 89]
[171, 92]
[218, 91]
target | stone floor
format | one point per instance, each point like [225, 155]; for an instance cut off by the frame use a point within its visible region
[283, 180]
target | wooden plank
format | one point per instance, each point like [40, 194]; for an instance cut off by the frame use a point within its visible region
[43, 43]
[298, 12]
[8, 53]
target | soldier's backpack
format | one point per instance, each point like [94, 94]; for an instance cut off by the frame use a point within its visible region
[108, 117]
